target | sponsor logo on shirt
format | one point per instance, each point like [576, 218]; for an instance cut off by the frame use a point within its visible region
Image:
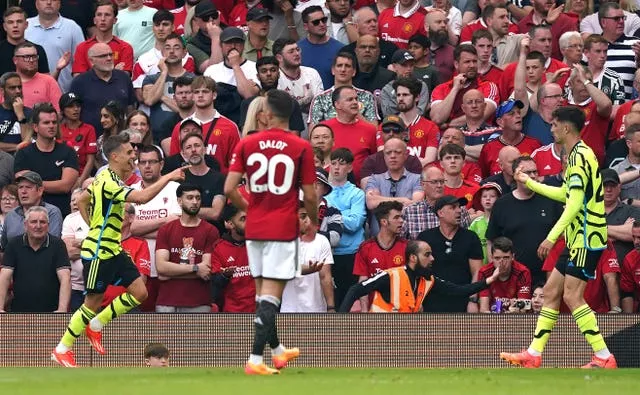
[142, 214]
[59, 163]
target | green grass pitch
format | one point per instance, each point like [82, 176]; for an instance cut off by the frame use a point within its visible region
[298, 381]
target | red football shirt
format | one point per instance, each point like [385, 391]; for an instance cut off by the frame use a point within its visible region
[222, 140]
[517, 286]
[489, 91]
[179, 17]
[630, 277]
[595, 130]
[240, 293]
[422, 134]
[595, 293]
[397, 29]
[547, 161]
[138, 250]
[122, 53]
[82, 140]
[277, 163]
[358, 137]
[509, 74]
[617, 130]
[488, 159]
[160, 4]
[371, 258]
[470, 171]
[564, 23]
[466, 190]
[466, 34]
[181, 240]
[493, 75]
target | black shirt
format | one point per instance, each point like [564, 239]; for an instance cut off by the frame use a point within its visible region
[616, 152]
[527, 223]
[174, 161]
[212, 184]
[451, 263]
[6, 58]
[49, 165]
[35, 273]
[499, 179]
[295, 122]
[374, 81]
[386, 49]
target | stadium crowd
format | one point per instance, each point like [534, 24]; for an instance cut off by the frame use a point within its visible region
[418, 111]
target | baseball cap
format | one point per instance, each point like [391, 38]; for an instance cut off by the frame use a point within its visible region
[478, 195]
[205, 8]
[507, 106]
[190, 121]
[401, 56]
[30, 176]
[257, 13]
[610, 176]
[447, 200]
[68, 99]
[393, 120]
[231, 33]
[321, 175]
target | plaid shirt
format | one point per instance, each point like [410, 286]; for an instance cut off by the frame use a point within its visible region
[420, 216]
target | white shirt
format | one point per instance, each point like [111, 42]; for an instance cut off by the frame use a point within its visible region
[304, 88]
[74, 226]
[591, 24]
[304, 294]
[223, 73]
[162, 205]
[147, 64]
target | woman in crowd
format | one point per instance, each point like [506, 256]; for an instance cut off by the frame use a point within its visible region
[112, 120]
[255, 119]
[140, 121]
[9, 194]
[78, 135]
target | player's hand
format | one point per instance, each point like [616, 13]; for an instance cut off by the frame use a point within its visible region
[494, 276]
[178, 174]
[228, 271]
[458, 81]
[521, 176]
[312, 267]
[234, 58]
[544, 249]
[60, 311]
[554, 13]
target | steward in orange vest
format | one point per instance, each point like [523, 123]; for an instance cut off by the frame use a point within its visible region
[403, 289]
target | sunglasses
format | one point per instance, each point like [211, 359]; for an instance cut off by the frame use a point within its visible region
[212, 16]
[392, 129]
[322, 20]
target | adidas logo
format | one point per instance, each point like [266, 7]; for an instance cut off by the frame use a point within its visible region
[375, 260]
[230, 259]
[79, 229]
[547, 167]
[237, 19]
[385, 25]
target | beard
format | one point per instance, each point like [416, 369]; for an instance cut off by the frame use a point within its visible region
[191, 211]
[422, 271]
[439, 38]
[267, 87]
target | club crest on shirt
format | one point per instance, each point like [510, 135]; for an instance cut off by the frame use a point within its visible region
[397, 260]
[419, 133]
[407, 28]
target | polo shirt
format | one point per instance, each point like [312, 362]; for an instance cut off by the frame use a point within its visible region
[14, 223]
[122, 53]
[254, 54]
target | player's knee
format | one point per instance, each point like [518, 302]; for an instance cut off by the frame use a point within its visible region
[141, 294]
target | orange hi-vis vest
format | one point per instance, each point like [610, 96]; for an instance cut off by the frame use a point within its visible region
[402, 299]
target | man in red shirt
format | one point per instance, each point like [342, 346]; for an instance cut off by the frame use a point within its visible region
[630, 279]
[233, 288]
[277, 163]
[514, 281]
[180, 15]
[399, 23]
[220, 133]
[104, 19]
[509, 119]
[483, 23]
[546, 13]
[349, 130]
[385, 250]
[452, 158]
[446, 99]
[483, 41]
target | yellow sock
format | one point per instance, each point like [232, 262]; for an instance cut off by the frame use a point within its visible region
[546, 321]
[588, 325]
[120, 305]
[79, 320]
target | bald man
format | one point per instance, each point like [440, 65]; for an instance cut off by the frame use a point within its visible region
[476, 131]
[102, 84]
[370, 76]
[367, 23]
[504, 178]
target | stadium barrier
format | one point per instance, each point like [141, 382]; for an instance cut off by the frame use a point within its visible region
[326, 340]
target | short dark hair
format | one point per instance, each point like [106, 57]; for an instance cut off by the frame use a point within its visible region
[267, 60]
[345, 55]
[384, 208]
[161, 16]
[113, 143]
[342, 154]
[520, 159]
[176, 36]
[488, 11]
[413, 84]
[109, 3]
[335, 95]
[280, 103]
[183, 80]
[534, 29]
[452, 149]
[501, 243]
[481, 33]
[308, 11]
[421, 40]
[537, 55]
[605, 7]
[324, 126]
[631, 130]
[468, 48]
[7, 76]
[571, 115]
[278, 46]
[26, 44]
[228, 212]
[186, 187]
[146, 149]
[189, 135]
[413, 248]
[156, 350]
[636, 224]
[41, 108]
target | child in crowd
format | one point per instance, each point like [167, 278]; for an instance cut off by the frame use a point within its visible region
[156, 355]
[483, 200]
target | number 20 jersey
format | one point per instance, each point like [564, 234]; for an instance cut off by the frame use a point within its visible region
[277, 164]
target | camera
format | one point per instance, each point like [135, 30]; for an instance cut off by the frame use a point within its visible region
[522, 304]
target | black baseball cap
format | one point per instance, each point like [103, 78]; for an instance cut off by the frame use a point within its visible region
[231, 33]
[447, 200]
[205, 8]
[401, 56]
[68, 99]
[610, 176]
[257, 13]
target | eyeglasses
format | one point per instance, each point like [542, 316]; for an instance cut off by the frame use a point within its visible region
[434, 182]
[616, 18]
[148, 162]
[27, 58]
[212, 16]
[104, 55]
[322, 20]
[449, 245]
[392, 129]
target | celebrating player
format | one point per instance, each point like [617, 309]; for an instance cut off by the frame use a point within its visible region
[105, 263]
[585, 229]
[277, 164]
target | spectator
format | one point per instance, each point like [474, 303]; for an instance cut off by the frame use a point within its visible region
[506, 44]
[482, 23]
[571, 47]
[482, 40]
[366, 21]
[104, 18]
[322, 138]
[139, 121]
[548, 159]
[504, 178]
[483, 201]
[579, 9]
[476, 131]
[349, 130]
[56, 163]
[14, 24]
[627, 118]
[329, 218]
[454, 18]
[183, 255]
[183, 98]
[257, 43]
[630, 275]
[514, 281]
[631, 190]
[74, 231]
[592, 21]
[370, 76]
[220, 144]
[13, 113]
[420, 48]
[470, 170]
[38, 266]
[452, 159]
[172, 162]
[287, 22]
[545, 12]
[509, 119]
[342, 26]
[156, 354]
[402, 64]
[204, 45]
[457, 255]
[399, 23]
[447, 97]
[537, 297]
[233, 288]
[350, 200]
[620, 216]
[36, 87]
[313, 292]
[80, 136]
[112, 122]
[318, 48]
[435, 24]
[135, 26]
[58, 36]
[605, 79]
[102, 84]
[180, 15]
[8, 201]
[536, 216]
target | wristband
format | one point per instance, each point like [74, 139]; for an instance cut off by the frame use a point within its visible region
[587, 82]
[331, 308]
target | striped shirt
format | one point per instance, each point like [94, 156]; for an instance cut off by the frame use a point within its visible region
[622, 60]
[611, 84]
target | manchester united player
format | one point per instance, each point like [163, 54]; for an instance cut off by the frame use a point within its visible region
[386, 249]
[446, 105]
[509, 119]
[602, 293]
[277, 163]
[399, 23]
[596, 106]
[452, 158]
[220, 133]
[233, 288]
[630, 279]
[514, 281]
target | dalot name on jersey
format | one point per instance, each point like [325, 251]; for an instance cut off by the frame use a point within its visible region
[151, 214]
[277, 144]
